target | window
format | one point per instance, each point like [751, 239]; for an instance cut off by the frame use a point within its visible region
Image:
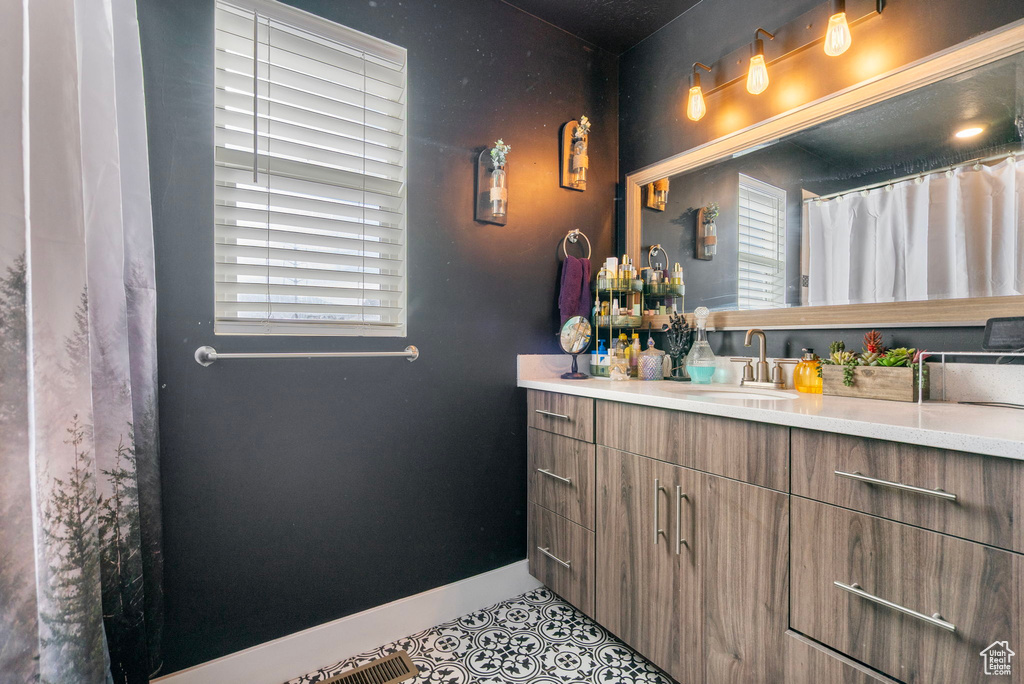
[309, 226]
[762, 245]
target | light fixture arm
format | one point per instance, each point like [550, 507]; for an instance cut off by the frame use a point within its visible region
[758, 43]
[837, 7]
[695, 76]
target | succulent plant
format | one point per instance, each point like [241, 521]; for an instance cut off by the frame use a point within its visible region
[873, 342]
[899, 357]
[842, 358]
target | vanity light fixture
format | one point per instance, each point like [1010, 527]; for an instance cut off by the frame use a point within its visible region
[757, 73]
[837, 37]
[969, 132]
[695, 107]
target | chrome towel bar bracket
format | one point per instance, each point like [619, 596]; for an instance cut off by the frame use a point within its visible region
[207, 355]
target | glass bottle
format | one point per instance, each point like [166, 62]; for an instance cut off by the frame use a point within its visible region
[700, 361]
[499, 191]
[619, 362]
[579, 163]
[805, 375]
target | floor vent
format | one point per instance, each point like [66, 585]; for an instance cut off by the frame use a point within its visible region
[396, 667]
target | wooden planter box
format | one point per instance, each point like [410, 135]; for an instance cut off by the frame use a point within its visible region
[874, 382]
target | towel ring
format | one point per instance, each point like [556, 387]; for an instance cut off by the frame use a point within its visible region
[573, 236]
[654, 251]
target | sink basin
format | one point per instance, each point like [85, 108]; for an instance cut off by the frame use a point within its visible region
[730, 392]
[759, 395]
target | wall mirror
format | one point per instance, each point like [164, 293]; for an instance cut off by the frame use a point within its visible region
[897, 202]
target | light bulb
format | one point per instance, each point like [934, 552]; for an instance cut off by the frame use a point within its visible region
[757, 75]
[695, 107]
[969, 132]
[837, 38]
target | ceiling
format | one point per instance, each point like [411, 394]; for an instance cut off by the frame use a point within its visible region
[615, 25]
[913, 132]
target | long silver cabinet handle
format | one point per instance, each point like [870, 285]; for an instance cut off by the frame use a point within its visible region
[566, 480]
[935, 619]
[658, 489]
[937, 493]
[552, 415]
[679, 520]
[546, 552]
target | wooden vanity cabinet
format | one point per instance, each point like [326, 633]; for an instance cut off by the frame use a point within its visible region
[560, 489]
[692, 563]
[679, 526]
[649, 582]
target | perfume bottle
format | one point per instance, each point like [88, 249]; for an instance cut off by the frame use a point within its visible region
[700, 361]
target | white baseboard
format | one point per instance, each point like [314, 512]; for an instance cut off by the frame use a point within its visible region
[277, 661]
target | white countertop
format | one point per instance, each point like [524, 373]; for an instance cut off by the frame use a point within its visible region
[976, 429]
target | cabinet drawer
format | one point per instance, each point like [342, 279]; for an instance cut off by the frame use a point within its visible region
[562, 414]
[808, 662]
[561, 475]
[561, 556]
[988, 505]
[757, 453]
[965, 596]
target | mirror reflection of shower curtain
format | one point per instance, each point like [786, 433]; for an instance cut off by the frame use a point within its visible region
[944, 236]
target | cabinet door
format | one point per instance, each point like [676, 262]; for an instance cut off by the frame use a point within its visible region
[648, 585]
[746, 585]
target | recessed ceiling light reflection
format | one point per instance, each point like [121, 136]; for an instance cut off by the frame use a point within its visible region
[969, 132]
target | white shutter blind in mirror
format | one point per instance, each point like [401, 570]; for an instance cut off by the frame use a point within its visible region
[762, 245]
[310, 213]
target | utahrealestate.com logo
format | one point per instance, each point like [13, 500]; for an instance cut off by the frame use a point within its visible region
[997, 658]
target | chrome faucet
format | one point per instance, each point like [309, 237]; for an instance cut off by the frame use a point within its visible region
[761, 377]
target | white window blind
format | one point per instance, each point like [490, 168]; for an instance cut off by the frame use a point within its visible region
[310, 212]
[762, 245]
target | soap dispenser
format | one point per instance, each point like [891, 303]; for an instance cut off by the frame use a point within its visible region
[805, 375]
[700, 361]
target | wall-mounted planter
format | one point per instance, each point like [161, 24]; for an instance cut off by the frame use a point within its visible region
[873, 382]
[575, 158]
[491, 190]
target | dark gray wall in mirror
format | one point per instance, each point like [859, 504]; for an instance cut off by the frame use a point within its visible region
[910, 134]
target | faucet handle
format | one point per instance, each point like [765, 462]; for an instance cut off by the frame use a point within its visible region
[777, 376]
[748, 369]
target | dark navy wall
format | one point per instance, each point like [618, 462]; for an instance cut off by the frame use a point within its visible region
[297, 492]
[654, 80]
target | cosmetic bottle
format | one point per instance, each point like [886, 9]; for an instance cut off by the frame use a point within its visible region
[805, 375]
[700, 361]
[634, 356]
[619, 359]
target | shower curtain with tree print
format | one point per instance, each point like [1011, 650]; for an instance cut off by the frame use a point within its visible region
[80, 563]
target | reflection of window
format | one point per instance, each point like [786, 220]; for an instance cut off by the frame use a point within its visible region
[762, 245]
[309, 230]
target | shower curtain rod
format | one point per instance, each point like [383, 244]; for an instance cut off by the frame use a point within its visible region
[872, 186]
[207, 355]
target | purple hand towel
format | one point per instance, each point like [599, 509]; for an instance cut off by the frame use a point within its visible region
[574, 296]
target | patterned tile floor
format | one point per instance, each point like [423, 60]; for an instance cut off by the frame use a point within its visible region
[536, 638]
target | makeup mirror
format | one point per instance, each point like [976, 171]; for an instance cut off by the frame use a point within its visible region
[575, 338]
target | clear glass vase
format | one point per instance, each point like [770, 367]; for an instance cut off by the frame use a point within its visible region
[580, 162]
[499, 191]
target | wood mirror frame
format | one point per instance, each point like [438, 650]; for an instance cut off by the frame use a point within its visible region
[976, 52]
